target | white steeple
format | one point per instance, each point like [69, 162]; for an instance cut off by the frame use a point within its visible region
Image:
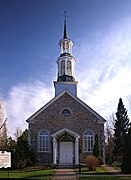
[66, 62]
[66, 65]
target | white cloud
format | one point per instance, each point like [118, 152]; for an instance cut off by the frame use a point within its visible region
[103, 71]
[24, 100]
[104, 68]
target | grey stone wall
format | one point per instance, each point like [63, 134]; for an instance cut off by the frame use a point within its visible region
[52, 120]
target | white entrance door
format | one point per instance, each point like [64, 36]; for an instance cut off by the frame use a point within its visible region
[66, 152]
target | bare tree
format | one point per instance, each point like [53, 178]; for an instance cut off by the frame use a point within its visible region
[109, 138]
[3, 128]
[17, 133]
[1, 114]
[129, 109]
[3, 137]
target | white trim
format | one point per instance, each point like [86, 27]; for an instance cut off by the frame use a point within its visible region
[71, 82]
[101, 119]
[31, 118]
[88, 130]
[38, 142]
[65, 58]
[76, 151]
[69, 132]
[65, 109]
[54, 150]
[66, 153]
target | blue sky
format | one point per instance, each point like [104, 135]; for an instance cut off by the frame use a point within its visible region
[29, 35]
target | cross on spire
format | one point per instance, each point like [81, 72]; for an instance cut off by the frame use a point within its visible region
[65, 30]
[65, 16]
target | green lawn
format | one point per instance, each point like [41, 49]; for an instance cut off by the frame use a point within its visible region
[44, 173]
[27, 173]
[117, 167]
[105, 178]
[99, 170]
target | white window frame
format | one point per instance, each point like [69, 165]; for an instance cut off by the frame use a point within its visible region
[62, 67]
[69, 67]
[88, 141]
[66, 114]
[43, 141]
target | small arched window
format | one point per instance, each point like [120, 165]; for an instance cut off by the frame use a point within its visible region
[88, 141]
[43, 141]
[66, 112]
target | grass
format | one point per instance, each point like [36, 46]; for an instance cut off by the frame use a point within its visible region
[99, 170]
[103, 178]
[45, 173]
[28, 173]
[117, 166]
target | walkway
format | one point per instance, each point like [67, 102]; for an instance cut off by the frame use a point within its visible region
[64, 174]
[69, 174]
[112, 170]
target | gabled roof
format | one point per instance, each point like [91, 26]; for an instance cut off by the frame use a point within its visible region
[65, 130]
[100, 118]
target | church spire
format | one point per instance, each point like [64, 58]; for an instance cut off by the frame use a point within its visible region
[66, 62]
[65, 29]
[65, 43]
[66, 66]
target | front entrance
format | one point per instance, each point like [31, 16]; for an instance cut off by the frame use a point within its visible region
[65, 147]
[66, 152]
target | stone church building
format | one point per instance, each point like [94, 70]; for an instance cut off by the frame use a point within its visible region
[63, 130]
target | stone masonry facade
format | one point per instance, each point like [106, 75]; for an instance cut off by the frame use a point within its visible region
[51, 119]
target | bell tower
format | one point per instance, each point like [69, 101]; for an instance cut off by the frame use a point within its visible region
[66, 66]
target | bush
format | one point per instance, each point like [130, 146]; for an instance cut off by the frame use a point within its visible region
[91, 162]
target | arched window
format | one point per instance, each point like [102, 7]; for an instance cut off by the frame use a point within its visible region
[88, 141]
[43, 141]
[69, 67]
[66, 112]
[62, 67]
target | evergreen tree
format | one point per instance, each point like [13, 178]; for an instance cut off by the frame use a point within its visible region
[120, 128]
[12, 148]
[21, 153]
[24, 154]
[126, 161]
[96, 150]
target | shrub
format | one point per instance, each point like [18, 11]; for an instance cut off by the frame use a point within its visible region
[91, 162]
